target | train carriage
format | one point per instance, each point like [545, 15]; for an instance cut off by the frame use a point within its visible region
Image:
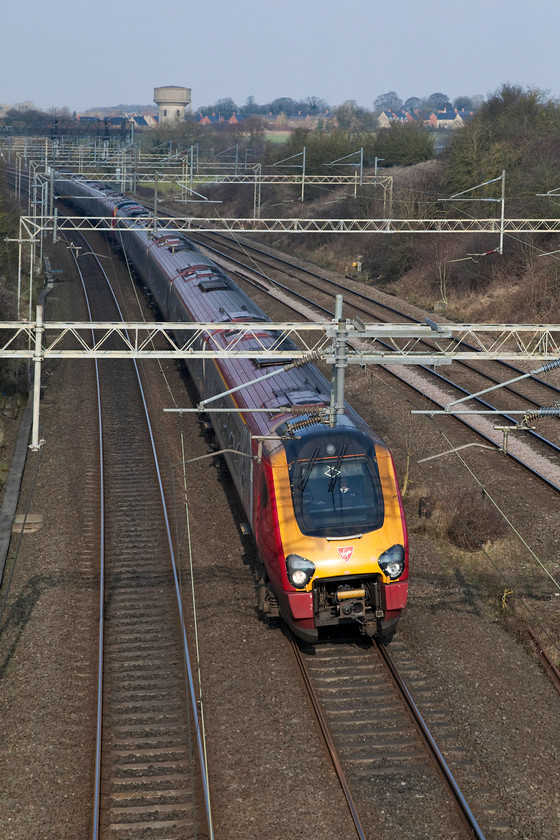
[323, 502]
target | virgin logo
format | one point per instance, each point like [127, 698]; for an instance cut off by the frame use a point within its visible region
[346, 553]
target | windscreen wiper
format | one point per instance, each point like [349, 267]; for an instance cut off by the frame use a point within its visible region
[307, 472]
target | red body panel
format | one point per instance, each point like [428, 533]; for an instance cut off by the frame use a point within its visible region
[395, 594]
[298, 604]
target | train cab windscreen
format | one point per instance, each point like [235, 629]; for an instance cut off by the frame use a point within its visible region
[335, 486]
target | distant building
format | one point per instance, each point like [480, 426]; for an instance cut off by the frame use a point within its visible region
[172, 102]
[143, 120]
[276, 122]
[213, 119]
[449, 118]
[388, 118]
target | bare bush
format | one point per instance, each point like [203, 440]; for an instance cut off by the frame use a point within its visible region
[473, 522]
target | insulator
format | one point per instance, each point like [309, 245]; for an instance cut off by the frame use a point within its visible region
[312, 420]
[297, 410]
[313, 356]
[528, 418]
[551, 365]
[545, 411]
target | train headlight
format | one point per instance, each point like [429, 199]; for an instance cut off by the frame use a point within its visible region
[300, 571]
[392, 561]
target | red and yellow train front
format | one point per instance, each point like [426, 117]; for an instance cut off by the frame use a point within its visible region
[332, 532]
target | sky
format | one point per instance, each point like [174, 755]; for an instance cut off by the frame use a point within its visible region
[91, 53]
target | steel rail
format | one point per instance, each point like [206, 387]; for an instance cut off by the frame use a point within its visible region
[427, 370]
[519, 461]
[99, 716]
[272, 259]
[361, 296]
[191, 690]
[421, 726]
[99, 719]
[502, 412]
[329, 743]
[464, 809]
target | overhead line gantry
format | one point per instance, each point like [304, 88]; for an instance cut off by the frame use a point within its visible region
[339, 343]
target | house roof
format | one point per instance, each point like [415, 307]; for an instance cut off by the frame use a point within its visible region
[212, 119]
[445, 115]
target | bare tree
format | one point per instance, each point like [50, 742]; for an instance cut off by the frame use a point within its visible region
[388, 102]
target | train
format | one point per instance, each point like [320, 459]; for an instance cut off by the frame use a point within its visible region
[322, 499]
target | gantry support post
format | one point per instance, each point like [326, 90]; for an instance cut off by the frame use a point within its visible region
[340, 364]
[37, 363]
[502, 212]
[257, 192]
[20, 263]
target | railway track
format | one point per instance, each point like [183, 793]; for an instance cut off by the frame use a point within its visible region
[371, 751]
[402, 774]
[395, 777]
[142, 727]
[150, 776]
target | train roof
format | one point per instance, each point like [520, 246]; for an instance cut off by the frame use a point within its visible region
[204, 292]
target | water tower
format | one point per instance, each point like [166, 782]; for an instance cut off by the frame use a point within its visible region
[172, 101]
